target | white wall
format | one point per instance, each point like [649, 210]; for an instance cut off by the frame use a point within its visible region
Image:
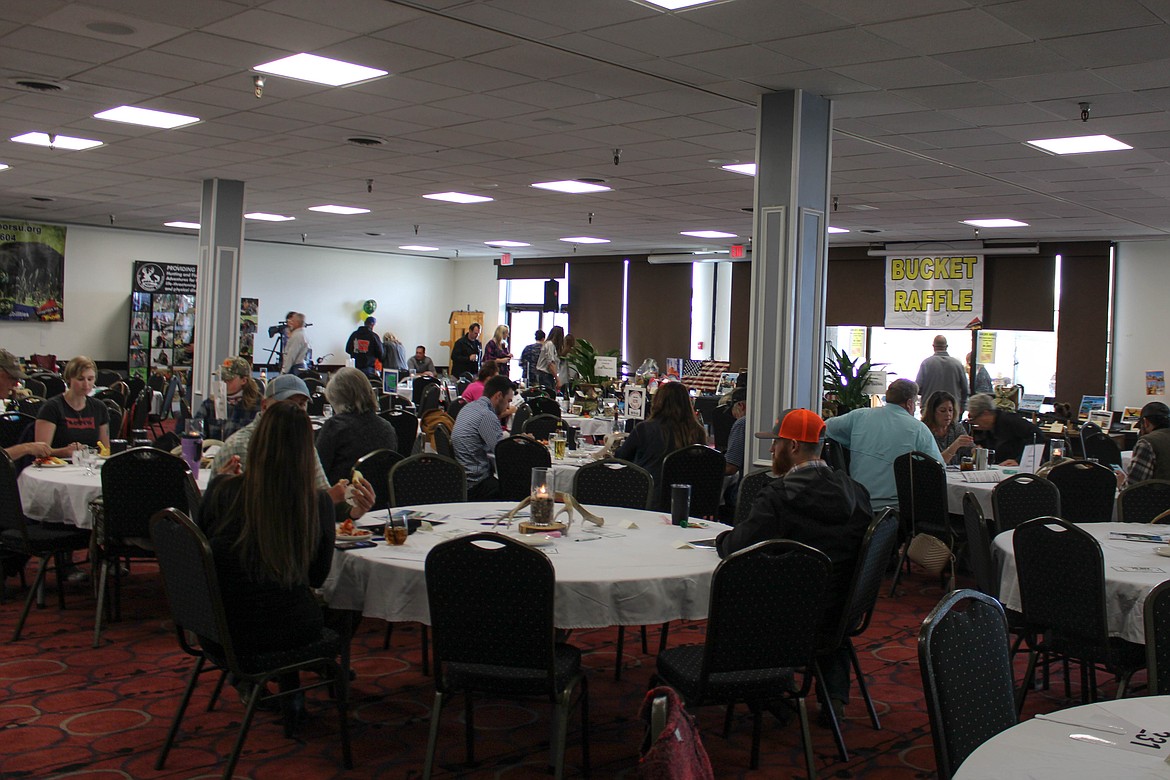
[415, 295]
[1139, 334]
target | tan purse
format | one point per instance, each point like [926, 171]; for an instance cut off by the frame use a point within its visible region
[932, 554]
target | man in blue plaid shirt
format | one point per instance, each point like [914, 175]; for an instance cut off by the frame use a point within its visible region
[478, 428]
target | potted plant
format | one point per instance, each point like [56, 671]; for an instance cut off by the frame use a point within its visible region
[845, 381]
[583, 360]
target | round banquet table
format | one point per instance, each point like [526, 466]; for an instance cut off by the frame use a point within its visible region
[1132, 569]
[620, 576]
[591, 426]
[1044, 748]
[63, 494]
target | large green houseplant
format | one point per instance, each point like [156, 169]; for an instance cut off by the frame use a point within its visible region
[582, 358]
[845, 381]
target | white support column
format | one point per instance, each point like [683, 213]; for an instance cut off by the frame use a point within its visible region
[217, 321]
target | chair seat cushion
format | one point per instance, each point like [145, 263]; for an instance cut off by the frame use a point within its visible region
[681, 667]
[328, 645]
[46, 537]
[524, 681]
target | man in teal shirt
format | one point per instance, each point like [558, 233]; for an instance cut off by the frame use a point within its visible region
[875, 437]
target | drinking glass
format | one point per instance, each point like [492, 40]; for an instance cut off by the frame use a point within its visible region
[327, 411]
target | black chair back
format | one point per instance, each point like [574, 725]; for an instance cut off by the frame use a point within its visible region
[1087, 491]
[836, 455]
[979, 545]
[877, 548]
[30, 405]
[34, 386]
[966, 668]
[462, 385]
[1157, 620]
[115, 412]
[1141, 502]
[749, 488]
[317, 401]
[701, 467]
[140, 412]
[168, 442]
[430, 399]
[375, 468]
[442, 437]
[417, 387]
[315, 385]
[138, 483]
[189, 578]
[614, 482]
[120, 392]
[106, 377]
[13, 426]
[516, 457]
[54, 384]
[1061, 573]
[541, 427]
[543, 405]
[157, 383]
[1022, 497]
[135, 384]
[721, 422]
[520, 416]
[456, 406]
[922, 496]
[781, 579]
[405, 427]
[12, 518]
[427, 479]
[1103, 449]
[172, 389]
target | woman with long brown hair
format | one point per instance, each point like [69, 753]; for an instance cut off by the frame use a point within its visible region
[547, 365]
[672, 426]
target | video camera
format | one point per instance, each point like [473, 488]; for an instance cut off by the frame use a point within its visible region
[280, 329]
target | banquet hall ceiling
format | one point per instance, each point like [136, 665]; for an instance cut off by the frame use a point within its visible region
[932, 101]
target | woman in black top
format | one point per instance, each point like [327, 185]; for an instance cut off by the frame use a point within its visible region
[672, 426]
[73, 418]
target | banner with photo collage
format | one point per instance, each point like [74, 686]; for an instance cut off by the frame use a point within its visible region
[162, 319]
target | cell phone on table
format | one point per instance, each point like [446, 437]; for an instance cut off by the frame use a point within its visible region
[353, 545]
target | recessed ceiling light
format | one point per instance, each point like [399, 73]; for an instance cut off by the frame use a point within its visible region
[187, 225]
[747, 169]
[707, 234]
[110, 28]
[506, 243]
[56, 141]
[571, 186]
[330, 209]
[585, 240]
[320, 70]
[994, 223]
[675, 5]
[261, 216]
[4, 166]
[837, 230]
[420, 248]
[1079, 144]
[133, 115]
[458, 197]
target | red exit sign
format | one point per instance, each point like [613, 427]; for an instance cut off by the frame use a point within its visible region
[738, 252]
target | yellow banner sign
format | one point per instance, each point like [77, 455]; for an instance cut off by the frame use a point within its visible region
[943, 292]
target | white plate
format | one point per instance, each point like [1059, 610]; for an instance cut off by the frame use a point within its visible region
[1163, 551]
[51, 465]
[355, 538]
[535, 540]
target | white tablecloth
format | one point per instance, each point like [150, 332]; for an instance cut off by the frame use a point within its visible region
[590, 426]
[1042, 748]
[1125, 591]
[622, 577]
[63, 494]
[957, 486]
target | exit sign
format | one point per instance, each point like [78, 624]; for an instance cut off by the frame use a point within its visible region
[737, 252]
[506, 258]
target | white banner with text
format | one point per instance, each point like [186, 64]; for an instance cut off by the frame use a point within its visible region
[942, 292]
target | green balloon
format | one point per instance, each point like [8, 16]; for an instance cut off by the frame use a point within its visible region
[370, 306]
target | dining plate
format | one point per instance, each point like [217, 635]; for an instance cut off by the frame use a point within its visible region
[51, 465]
[359, 535]
[1163, 551]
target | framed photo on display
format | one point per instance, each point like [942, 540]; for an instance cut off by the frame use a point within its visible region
[636, 403]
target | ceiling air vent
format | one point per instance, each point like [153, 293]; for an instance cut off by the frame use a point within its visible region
[36, 85]
[365, 140]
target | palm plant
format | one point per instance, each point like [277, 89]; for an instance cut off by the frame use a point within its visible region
[845, 381]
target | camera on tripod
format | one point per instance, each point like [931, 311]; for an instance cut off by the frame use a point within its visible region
[280, 329]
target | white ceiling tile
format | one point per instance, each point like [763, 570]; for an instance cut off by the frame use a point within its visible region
[840, 47]
[1058, 18]
[903, 72]
[1117, 47]
[946, 32]
[664, 35]
[359, 16]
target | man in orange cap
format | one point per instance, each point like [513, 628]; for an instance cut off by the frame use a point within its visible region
[811, 503]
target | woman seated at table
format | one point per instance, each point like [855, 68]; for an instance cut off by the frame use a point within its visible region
[939, 415]
[1005, 432]
[243, 401]
[74, 419]
[672, 426]
[271, 534]
[355, 429]
[475, 389]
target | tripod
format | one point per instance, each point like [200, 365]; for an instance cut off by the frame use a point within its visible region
[277, 351]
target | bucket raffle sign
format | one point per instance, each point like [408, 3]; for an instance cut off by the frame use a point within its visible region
[939, 292]
[32, 272]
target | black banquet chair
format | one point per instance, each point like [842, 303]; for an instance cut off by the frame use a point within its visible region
[543, 405]
[1087, 490]
[375, 468]
[541, 427]
[192, 588]
[922, 502]
[427, 479]
[516, 457]
[492, 604]
[1102, 448]
[966, 674]
[749, 488]
[14, 427]
[701, 467]
[442, 436]
[30, 405]
[766, 605]
[21, 536]
[614, 482]
[1157, 621]
[1141, 502]
[1022, 497]
[405, 427]
[418, 385]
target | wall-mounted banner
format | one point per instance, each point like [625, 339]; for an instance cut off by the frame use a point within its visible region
[32, 272]
[940, 292]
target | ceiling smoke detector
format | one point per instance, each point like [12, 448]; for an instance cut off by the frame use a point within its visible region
[365, 140]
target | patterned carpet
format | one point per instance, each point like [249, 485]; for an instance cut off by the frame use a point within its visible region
[69, 710]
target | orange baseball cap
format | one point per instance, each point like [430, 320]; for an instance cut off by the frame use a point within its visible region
[798, 425]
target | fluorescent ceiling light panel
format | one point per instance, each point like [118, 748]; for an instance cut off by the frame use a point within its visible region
[132, 115]
[677, 5]
[330, 209]
[994, 223]
[262, 217]
[187, 225]
[320, 70]
[506, 243]
[571, 186]
[66, 142]
[747, 169]
[585, 240]
[4, 167]
[420, 248]
[458, 197]
[837, 230]
[1083, 144]
[707, 234]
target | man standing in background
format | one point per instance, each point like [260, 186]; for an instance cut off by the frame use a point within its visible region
[465, 353]
[529, 357]
[365, 348]
[940, 371]
[296, 350]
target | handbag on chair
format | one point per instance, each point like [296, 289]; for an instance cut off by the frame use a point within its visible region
[932, 554]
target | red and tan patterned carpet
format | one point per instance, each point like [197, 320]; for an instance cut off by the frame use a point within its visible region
[69, 710]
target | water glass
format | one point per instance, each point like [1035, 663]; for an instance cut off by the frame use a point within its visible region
[326, 411]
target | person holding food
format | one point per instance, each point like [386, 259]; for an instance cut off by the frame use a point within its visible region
[355, 429]
[74, 419]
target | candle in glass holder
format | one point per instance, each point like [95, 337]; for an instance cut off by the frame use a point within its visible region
[541, 503]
